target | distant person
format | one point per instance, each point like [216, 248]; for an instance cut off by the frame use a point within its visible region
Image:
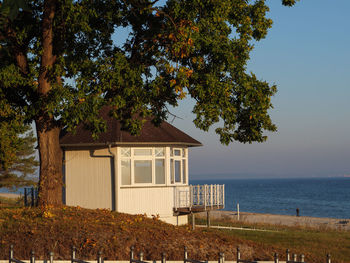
[297, 211]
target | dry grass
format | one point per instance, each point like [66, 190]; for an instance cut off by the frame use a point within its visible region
[315, 243]
[58, 229]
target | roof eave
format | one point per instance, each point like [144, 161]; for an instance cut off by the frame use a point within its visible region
[128, 143]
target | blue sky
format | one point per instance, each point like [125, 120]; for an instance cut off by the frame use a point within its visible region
[306, 54]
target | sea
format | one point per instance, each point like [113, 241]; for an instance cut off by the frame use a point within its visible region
[315, 197]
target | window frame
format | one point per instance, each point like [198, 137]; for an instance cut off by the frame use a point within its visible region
[183, 165]
[151, 158]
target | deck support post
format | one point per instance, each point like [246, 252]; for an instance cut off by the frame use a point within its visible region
[193, 221]
[208, 218]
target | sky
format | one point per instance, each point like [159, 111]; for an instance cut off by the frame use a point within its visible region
[306, 54]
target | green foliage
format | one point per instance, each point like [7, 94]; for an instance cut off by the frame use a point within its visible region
[182, 48]
[17, 160]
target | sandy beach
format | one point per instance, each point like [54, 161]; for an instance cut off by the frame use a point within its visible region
[283, 220]
[9, 195]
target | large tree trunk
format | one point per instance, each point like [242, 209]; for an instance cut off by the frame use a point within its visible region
[50, 153]
[50, 182]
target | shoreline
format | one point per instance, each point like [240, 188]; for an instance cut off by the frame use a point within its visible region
[10, 195]
[280, 220]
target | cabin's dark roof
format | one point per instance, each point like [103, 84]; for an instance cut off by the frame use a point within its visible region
[150, 134]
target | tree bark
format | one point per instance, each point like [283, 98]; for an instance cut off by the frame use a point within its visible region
[50, 154]
[48, 131]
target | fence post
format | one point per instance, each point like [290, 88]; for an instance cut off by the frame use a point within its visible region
[185, 254]
[276, 258]
[328, 258]
[11, 253]
[198, 198]
[141, 256]
[302, 258]
[32, 257]
[205, 197]
[208, 218]
[218, 195]
[294, 257]
[25, 197]
[51, 257]
[32, 194]
[36, 196]
[193, 221]
[223, 196]
[211, 196]
[131, 253]
[287, 255]
[73, 253]
[99, 256]
[221, 258]
[238, 254]
[163, 258]
[191, 197]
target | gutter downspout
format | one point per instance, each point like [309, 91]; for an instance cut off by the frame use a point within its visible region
[114, 179]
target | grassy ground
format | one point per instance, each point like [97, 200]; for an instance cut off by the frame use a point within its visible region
[306, 240]
[11, 202]
[58, 229]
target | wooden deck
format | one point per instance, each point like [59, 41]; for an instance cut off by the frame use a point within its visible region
[198, 198]
[196, 209]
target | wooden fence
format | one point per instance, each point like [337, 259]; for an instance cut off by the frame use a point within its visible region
[30, 197]
[290, 258]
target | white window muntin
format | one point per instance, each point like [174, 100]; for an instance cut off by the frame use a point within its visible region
[178, 156]
[150, 154]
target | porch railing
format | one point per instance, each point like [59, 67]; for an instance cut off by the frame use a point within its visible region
[206, 196]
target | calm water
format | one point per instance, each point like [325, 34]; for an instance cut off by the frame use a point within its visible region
[318, 197]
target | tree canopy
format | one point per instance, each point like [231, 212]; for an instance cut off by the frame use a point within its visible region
[17, 161]
[59, 65]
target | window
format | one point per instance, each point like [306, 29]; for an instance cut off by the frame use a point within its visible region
[178, 169]
[143, 171]
[126, 172]
[160, 171]
[142, 165]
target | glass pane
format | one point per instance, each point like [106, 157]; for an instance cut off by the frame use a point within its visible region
[125, 152]
[184, 171]
[160, 171]
[177, 171]
[159, 152]
[126, 172]
[142, 152]
[171, 152]
[183, 153]
[177, 152]
[172, 171]
[143, 171]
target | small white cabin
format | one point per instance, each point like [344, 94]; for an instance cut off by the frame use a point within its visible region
[146, 174]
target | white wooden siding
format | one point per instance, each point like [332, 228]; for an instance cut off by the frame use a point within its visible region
[150, 201]
[88, 179]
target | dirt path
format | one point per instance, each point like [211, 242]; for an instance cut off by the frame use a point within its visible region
[314, 222]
